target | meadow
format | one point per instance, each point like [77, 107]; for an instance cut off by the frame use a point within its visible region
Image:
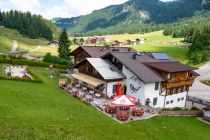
[24, 43]
[157, 42]
[43, 111]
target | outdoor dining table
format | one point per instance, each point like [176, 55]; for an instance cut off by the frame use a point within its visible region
[122, 116]
[91, 92]
[89, 98]
[98, 95]
[74, 89]
[84, 88]
[77, 85]
[81, 94]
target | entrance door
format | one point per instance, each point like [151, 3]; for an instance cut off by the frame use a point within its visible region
[123, 89]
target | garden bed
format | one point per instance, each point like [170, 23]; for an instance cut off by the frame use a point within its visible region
[181, 112]
[30, 77]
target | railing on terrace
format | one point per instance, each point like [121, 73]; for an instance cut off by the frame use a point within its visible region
[178, 83]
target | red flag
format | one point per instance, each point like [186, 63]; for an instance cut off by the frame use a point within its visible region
[118, 89]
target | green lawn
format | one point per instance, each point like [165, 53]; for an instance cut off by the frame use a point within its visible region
[43, 111]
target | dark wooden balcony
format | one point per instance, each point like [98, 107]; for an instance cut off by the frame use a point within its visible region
[178, 83]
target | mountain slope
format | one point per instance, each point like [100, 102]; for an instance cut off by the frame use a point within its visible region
[135, 13]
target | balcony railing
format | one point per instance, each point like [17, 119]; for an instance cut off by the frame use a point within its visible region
[178, 83]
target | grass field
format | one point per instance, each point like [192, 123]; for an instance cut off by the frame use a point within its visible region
[24, 43]
[43, 111]
[153, 44]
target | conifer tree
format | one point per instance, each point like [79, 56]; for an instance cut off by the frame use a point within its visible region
[64, 44]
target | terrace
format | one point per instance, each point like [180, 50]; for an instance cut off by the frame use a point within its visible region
[97, 99]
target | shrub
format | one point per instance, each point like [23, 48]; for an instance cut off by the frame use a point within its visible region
[8, 61]
[176, 109]
[194, 108]
[166, 109]
[48, 58]
[30, 63]
[62, 71]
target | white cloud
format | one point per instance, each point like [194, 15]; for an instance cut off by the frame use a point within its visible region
[66, 8]
[25, 5]
[72, 8]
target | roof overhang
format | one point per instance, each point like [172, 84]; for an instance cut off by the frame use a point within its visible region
[88, 79]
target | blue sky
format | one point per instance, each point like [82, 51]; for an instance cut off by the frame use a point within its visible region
[58, 8]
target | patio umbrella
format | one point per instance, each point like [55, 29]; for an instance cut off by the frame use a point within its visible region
[123, 100]
[118, 89]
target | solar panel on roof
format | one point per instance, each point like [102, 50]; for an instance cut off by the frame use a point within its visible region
[160, 56]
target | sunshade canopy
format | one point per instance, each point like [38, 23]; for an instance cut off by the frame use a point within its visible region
[123, 100]
[88, 79]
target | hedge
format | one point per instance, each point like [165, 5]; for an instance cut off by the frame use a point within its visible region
[20, 79]
[30, 63]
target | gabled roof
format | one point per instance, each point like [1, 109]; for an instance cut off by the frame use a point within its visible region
[169, 66]
[105, 69]
[143, 72]
[99, 51]
[144, 66]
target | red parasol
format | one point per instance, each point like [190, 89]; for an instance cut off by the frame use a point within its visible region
[123, 100]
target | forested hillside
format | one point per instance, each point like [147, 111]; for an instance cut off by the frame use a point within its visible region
[134, 16]
[195, 30]
[33, 26]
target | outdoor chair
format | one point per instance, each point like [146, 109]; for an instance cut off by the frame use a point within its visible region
[111, 110]
[137, 112]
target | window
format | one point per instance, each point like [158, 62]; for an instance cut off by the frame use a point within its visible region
[155, 101]
[169, 76]
[182, 98]
[178, 99]
[174, 91]
[184, 89]
[157, 86]
[172, 101]
[179, 90]
[167, 102]
[114, 90]
[94, 71]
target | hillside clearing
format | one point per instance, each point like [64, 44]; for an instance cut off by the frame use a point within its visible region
[24, 43]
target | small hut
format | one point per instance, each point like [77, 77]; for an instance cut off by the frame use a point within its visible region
[21, 53]
[53, 44]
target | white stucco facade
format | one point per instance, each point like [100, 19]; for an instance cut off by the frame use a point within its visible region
[143, 92]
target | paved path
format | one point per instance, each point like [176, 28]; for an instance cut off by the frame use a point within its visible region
[39, 47]
[200, 90]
